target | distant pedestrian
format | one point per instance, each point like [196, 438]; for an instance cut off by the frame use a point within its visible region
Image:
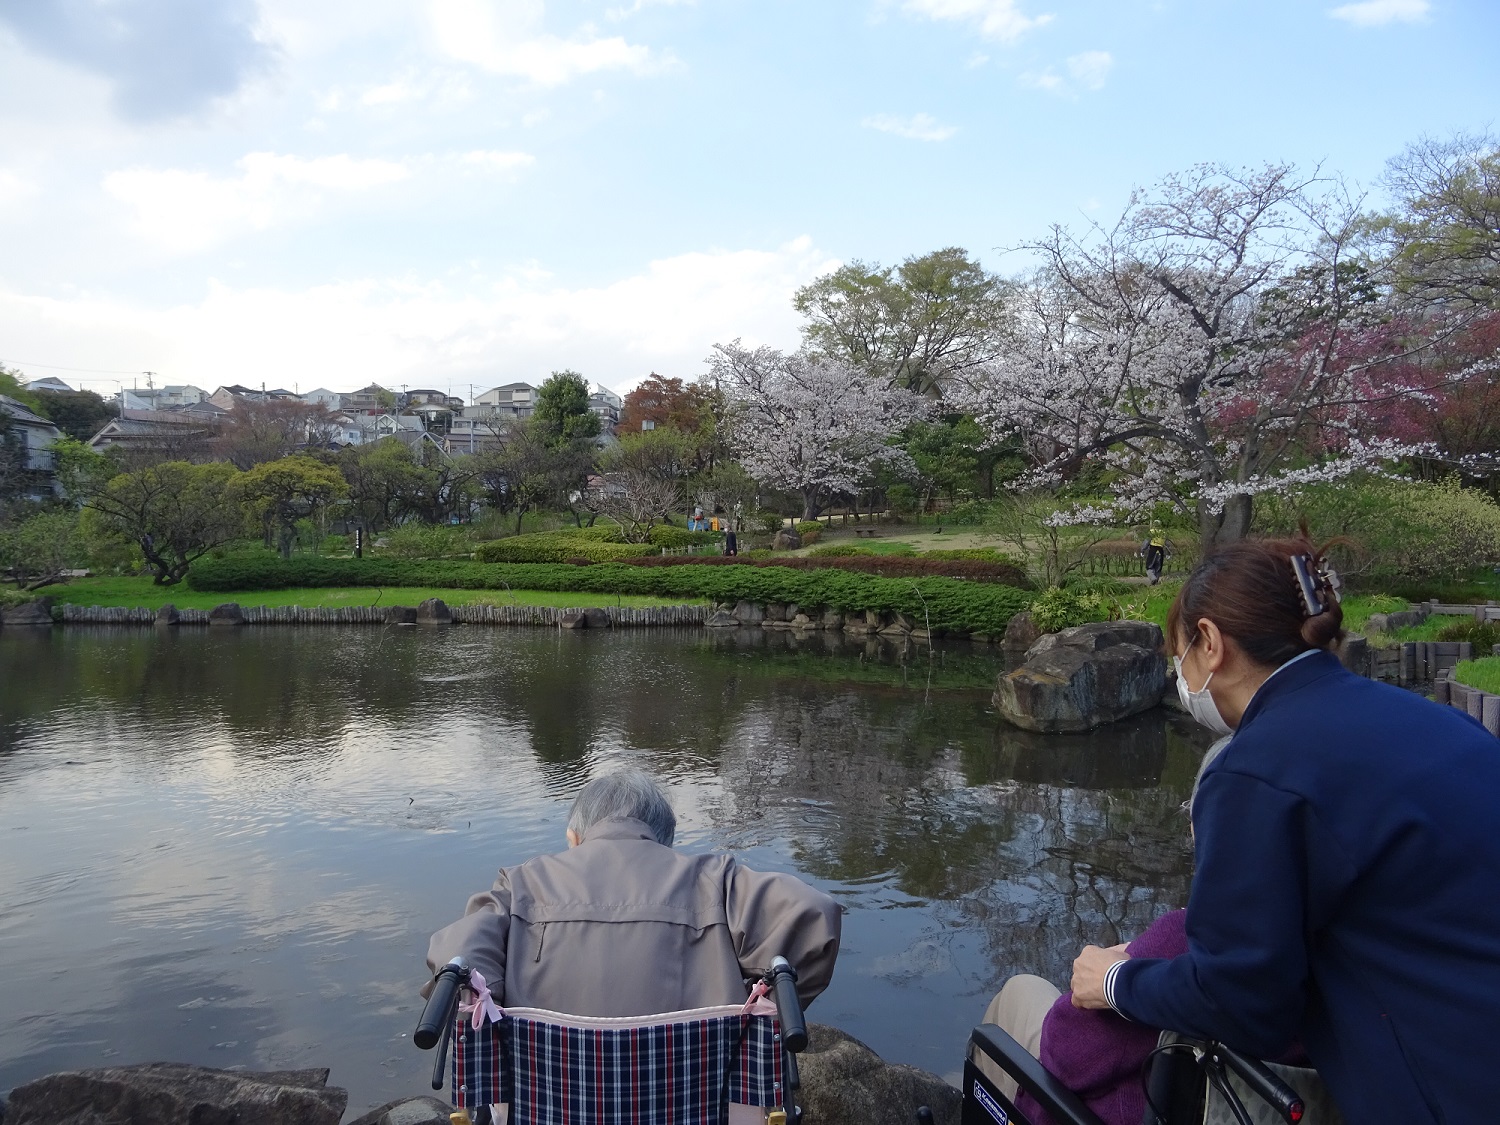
[731, 543]
[1154, 551]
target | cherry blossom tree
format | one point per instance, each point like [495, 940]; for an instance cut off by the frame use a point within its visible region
[809, 424]
[1227, 336]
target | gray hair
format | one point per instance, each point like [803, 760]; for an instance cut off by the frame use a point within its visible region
[625, 793]
[1209, 758]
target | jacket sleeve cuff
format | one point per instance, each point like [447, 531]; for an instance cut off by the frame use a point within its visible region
[1111, 975]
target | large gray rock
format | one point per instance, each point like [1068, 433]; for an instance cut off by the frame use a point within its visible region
[846, 1083]
[174, 1092]
[573, 619]
[168, 615]
[401, 615]
[407, 1111]
[722, 619]
[38, 612]
[786, 541]
[434, 611]
[1021, 633]
[1085, 676]
[229, 613]
[598, 618]
[749, 613]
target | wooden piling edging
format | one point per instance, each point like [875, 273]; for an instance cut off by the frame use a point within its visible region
[670, 616]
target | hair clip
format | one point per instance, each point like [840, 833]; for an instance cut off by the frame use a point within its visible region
[1317, 582]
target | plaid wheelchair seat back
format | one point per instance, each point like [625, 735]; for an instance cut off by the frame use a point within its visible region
[554, 1069]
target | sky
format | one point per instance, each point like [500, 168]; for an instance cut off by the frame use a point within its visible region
[464, 193]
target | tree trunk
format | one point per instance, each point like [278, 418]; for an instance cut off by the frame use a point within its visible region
[810, 505]
[1216, 529]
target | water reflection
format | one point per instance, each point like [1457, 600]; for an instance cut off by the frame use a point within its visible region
[235, 842]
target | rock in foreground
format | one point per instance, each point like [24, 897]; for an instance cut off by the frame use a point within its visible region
[846, 1083]
[171, 1092]
[1085, 676]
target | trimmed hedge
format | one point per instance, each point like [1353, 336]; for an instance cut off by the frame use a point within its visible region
[947, 603]
[665, 535]
[886, 566]
[593, 544]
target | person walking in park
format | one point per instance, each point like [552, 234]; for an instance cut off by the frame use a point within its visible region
[1348, 854]
[1154, 551]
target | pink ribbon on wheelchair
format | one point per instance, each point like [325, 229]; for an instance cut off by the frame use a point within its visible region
[483, 1004]
[758, 1005]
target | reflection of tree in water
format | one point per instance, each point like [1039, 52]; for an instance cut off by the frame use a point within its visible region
[1040, 843]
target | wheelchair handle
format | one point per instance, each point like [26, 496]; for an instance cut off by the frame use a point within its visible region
[783, 981]
[1267, 1086]
[437, 1016]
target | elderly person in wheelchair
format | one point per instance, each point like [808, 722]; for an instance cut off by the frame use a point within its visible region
[567, 953]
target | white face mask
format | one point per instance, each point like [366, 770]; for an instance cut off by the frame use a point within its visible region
[1200, 704]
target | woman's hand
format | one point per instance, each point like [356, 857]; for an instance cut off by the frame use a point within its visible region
[1088, 974]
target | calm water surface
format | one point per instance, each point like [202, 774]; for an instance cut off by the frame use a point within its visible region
[229, 847]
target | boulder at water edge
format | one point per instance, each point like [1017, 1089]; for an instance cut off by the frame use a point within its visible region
[160, 1092]
[598, 618]
[407, 1111]
[434, 611]
[229, 613]
[1021, 633]
[38, 612]
[1082, 677]
[846, 1083]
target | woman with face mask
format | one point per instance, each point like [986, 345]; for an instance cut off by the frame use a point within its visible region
[1347, 889]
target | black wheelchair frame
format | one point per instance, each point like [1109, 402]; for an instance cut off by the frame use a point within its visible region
[1178, 1075]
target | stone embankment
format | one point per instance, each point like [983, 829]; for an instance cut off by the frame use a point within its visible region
[843, 1083]
[434, 611]
[1083, 677]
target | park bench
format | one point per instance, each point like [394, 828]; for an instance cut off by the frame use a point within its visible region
[864, 533]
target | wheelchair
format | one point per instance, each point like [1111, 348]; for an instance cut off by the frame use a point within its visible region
[1186, 1082]
[726, 1065]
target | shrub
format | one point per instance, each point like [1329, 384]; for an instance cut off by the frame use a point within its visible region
[886, 566]
[811, 531]
[1059, 608]
[665, 535]
[969, 513]
[988, 554]
[840, 551]
[426, 541]
[945, 602]
[561, 547]
[1405, 533]
[770, 522]
[902, 499]
[1484, 635]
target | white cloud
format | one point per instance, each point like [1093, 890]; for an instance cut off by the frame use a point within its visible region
[1376, 13]
[917, 127]
[14, 189]
[638, 5]
[1090, 69]
[996, 19]
[506, 39]
[181, 211]
[664, 318]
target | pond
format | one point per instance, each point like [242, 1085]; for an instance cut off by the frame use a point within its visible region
[228, 847]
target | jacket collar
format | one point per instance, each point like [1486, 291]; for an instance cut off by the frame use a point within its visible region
[620, 828]
[1290, 678]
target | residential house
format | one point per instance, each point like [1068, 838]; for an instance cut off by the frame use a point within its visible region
[229, 397]
[161, 398]
[324, 397]
[186, 434]
[606, 404]
[51, 385]
[514, 400]
[373, 399]
[35, 437]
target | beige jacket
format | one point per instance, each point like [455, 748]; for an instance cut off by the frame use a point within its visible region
[623, 926]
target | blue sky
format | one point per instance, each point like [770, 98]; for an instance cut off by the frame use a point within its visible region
[455, 192]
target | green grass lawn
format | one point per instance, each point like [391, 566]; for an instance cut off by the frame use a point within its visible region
[141, 592]
[1483, 674]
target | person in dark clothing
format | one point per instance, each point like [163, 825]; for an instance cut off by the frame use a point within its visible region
[1348, 857]
[731, 543]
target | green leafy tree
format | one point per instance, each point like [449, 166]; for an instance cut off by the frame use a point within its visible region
[79, 414]
[172, 513]
[280, 493]
[521, 475]
[385, 482]
[39, 548]
[12, 387]
[919, 325]
[562, 412]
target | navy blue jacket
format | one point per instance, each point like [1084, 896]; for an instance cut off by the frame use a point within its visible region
[1348, 891]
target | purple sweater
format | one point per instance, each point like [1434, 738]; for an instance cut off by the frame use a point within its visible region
[1098, 1053]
